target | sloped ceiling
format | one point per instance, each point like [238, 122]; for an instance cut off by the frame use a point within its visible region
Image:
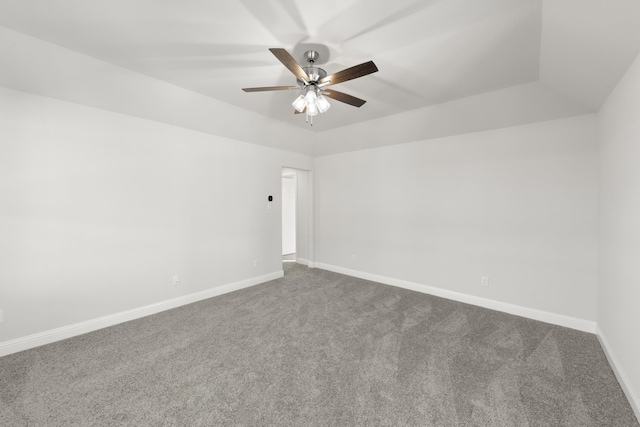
[446, 66]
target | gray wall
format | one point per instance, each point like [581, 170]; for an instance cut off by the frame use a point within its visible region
[619, 293]
[517, 205]
[99, 210]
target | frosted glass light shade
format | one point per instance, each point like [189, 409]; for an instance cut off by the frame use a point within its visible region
[322, 103]
[312, 109]
[299, 103]
[310, 98]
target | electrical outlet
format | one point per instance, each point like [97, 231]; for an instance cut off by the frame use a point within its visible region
[176, 280]
[484, 281]
[1, 316]
[353, 257]
[256, 262]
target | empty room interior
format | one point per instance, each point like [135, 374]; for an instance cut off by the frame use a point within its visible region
[244, 212]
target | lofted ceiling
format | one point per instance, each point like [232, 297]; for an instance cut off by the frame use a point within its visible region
[431, 54]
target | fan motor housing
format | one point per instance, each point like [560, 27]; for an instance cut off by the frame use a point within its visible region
[315, 73]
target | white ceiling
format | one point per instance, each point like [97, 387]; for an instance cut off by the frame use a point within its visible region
[432, 54]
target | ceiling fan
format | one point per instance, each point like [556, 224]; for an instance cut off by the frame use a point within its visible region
[312, 82]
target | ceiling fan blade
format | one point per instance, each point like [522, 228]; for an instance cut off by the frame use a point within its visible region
[343, 97]
[267, 88]
[304, 110]
[350, 73]
[288, 61]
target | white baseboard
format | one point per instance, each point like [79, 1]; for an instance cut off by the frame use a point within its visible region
[53, 335]
[625, 384]
[530, 313]
[306, 262]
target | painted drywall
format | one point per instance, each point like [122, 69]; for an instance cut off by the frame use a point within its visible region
[99, 210]
[513, 106]
[584, 55]
[517, 205]
[32, 65]
[619, 228]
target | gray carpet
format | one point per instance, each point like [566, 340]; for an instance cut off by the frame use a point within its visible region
[317, 348]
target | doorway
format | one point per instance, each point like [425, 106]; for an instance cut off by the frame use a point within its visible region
[289, 197]
[297, 216]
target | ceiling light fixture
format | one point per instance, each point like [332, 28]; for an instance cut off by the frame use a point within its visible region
[312, 81]
[311, 101]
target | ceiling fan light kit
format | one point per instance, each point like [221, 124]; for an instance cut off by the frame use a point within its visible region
[322, 103]
[312, 81]
[299, 103]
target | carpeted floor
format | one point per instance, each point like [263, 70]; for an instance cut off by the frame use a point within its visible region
[317, 348]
